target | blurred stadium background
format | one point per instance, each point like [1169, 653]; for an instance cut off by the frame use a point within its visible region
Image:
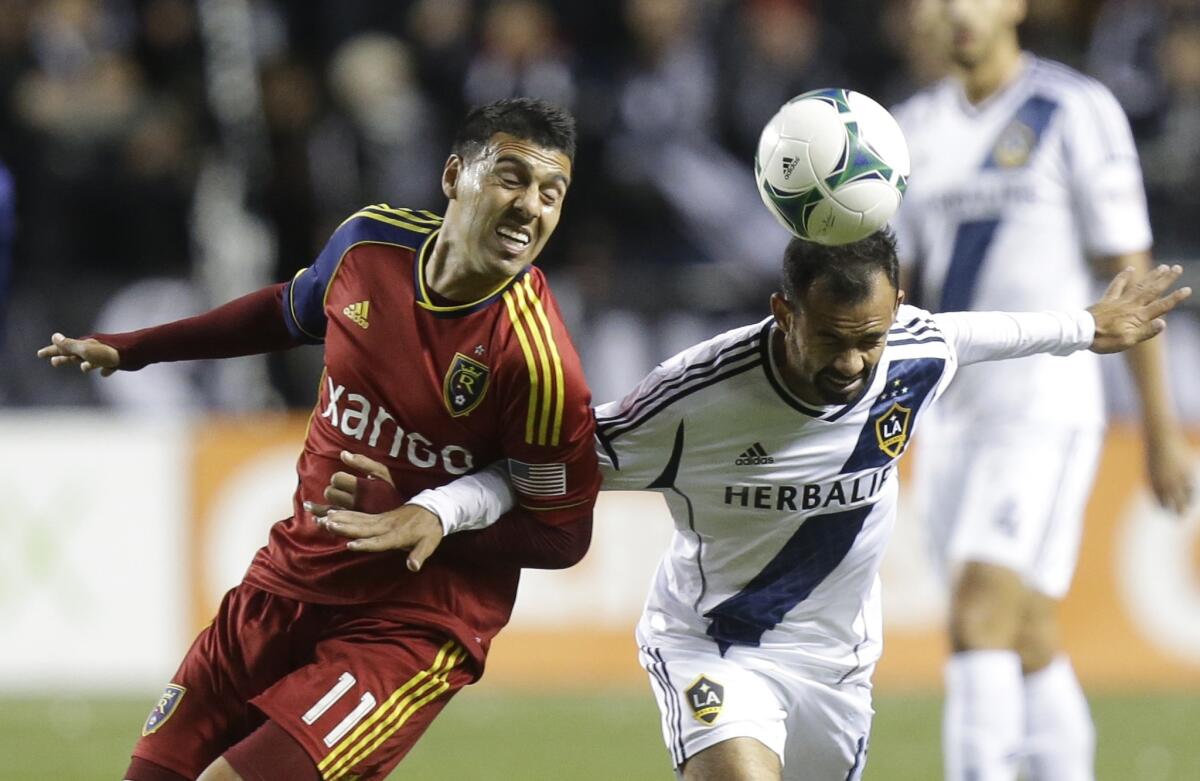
[161, 156]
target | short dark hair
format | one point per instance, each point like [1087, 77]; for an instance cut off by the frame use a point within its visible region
[536, 120]
[848, 270]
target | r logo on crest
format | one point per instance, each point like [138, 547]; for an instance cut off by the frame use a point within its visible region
[167, 704]
[706, 697]
[891, 429]
[465, 384]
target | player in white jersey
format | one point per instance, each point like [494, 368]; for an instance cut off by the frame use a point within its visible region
[775, 447]
[1028, 183]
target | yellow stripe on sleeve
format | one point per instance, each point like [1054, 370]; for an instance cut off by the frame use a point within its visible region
[411, 226]
[560, 391]
[527, 311]
[427, 218]
[351, 748]
[534, 382]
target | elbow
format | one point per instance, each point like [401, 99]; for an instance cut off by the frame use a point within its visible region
[576, 539]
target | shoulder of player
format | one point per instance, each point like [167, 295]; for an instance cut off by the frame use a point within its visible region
[388, 225]
[527, 301]
[533, 336]
[921, 105]
[1078, 93]
[706, 364]
[726, 351]
[695, 379]
[912, 326]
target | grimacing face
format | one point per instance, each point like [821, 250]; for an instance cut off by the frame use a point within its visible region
[832, 349]
[972, 29]
[509, 197]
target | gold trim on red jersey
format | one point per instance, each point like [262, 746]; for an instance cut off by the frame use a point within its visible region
[543, 422]
[401, 218]
[426, 301]
[418, 691]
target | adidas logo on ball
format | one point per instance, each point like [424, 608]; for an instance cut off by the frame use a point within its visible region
[754, 456]
[789, 165]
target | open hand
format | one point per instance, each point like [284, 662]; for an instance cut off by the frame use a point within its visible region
[410, 527]
[1132, 308]
[88, 354]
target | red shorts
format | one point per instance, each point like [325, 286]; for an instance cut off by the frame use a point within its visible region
[354, 690]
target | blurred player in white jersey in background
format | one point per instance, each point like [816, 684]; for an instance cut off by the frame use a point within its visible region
[775, 447]
[1026, 184]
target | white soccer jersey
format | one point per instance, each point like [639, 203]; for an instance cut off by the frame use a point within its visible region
[1007, 201]
[781, 510]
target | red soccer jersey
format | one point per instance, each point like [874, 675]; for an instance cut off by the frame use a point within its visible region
[433, 391]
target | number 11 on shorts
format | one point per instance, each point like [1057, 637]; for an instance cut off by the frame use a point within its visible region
[366, 704]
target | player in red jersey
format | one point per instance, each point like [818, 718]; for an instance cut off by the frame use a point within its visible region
[444, 351]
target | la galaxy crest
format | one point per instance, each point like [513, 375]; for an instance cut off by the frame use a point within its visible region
[1014, 146]
[166, 706]
[706, 698]
[465, 384]
[891, 429]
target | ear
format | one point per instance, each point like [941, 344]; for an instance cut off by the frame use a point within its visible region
[781, 308]
[450, 174]
[899, 299]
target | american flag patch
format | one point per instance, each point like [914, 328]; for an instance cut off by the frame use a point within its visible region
[538, 479]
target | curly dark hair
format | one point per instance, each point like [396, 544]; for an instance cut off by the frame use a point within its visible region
[847, 270]
[543, 123]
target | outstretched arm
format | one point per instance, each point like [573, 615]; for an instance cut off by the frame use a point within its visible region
[1130, 313]
[1125, 319]
[248, 325]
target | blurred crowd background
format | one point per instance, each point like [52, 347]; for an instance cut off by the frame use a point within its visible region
[161, 156]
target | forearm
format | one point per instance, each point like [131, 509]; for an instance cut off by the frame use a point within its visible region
[993, 336]
[473, 501]
[522, 539]
[1146, 361]
[245, 326]
[481, 526]
[1146, 364]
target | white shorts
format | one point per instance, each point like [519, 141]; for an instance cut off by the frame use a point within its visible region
[819, 731]
[1015, 499]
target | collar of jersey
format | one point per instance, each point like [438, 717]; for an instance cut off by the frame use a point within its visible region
[456, 310]
[1000, 96]
[828, 412]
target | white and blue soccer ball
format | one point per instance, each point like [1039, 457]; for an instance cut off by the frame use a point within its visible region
[832, 166]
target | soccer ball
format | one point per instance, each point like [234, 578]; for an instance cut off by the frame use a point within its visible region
[832, 166]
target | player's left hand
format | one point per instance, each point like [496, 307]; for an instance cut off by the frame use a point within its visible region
[1132, 308]
[410, 527]
[1169, 465]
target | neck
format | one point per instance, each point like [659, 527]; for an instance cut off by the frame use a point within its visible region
[449, 273]
[991, 74]
[798, 388]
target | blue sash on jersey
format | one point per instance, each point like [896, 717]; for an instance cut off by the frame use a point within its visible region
[1013, 148]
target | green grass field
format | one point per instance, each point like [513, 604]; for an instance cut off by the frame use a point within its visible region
[493, 735]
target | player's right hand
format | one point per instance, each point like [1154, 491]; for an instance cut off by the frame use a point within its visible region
[411, 528]
[88, 354]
